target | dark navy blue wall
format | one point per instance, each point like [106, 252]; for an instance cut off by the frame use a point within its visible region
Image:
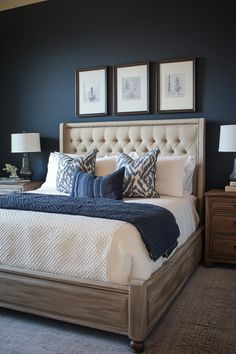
[43, 44]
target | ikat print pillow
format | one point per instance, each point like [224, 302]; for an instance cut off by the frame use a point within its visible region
[139, 177]
[67, 167]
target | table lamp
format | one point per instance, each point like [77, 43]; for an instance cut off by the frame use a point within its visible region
[25, 143]
[228, 144]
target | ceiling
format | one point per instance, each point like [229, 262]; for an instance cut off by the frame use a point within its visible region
[11, 4]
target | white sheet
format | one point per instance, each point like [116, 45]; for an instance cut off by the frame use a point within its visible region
[84, 247]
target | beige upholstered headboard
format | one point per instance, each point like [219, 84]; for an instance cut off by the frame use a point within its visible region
[177, 136]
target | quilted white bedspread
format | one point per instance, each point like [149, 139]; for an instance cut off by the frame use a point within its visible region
[85, 247]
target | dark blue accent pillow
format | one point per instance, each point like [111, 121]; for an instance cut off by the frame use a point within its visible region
[87, 185]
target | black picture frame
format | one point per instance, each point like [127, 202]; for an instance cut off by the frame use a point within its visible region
[176, 85]
[131, 86]
[91, 91]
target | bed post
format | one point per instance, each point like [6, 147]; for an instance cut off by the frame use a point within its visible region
[137, 314]
[201, 168]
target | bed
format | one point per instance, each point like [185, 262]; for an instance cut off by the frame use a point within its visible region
[131, 308]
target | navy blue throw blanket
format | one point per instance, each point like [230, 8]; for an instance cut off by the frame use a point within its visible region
[156, 225]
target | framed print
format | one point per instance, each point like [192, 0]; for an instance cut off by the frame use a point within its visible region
[132, 88]
[176, 86]
[91, 92]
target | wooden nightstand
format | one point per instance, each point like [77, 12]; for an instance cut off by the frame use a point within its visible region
[9, 187]
[220, 232]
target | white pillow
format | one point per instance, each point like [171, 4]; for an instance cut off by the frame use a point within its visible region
[188, 178]
[105, 165]
[174, 175]
[52, 168]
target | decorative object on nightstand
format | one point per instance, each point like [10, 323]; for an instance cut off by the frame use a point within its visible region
[11, 169]
[25, 143]
[228, 144]
[220, 232]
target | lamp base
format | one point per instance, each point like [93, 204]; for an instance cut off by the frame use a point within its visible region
[25, 171]
[232, 177]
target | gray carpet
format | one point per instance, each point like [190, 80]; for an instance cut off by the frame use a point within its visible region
[202, 320]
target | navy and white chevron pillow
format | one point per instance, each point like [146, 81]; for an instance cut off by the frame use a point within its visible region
[139, 178]
[67, 167]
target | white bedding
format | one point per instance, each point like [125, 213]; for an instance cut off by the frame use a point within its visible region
[84, 247]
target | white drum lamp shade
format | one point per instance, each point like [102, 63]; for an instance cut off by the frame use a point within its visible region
[25, 143]
[227, 143]
[227, 138]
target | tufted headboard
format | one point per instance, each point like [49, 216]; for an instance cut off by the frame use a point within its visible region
[175, 136]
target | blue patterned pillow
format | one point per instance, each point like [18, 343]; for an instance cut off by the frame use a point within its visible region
[139, 178]
[87, 185]
[67, 167]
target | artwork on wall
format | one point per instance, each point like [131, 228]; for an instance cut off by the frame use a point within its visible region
[132, 88]
[176, 80]
[91, 91]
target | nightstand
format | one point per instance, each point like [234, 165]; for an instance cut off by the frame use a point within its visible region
[10, 187]
[220, 232]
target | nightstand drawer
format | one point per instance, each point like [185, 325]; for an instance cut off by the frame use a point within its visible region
[223, 225]
[23, 186]
[7, 189]
[223, 205]
[223, 248]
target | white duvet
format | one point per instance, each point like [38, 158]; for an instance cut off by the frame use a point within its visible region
[85, 247]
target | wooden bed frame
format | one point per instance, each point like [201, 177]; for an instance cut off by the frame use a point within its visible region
[134, 309]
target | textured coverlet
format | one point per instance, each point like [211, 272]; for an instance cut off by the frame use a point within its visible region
[156, 225]
[85, 247]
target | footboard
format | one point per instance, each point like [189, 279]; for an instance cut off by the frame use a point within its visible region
[87, 303]
[131, 310]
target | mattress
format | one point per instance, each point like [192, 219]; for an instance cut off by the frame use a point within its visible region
[85, 247]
